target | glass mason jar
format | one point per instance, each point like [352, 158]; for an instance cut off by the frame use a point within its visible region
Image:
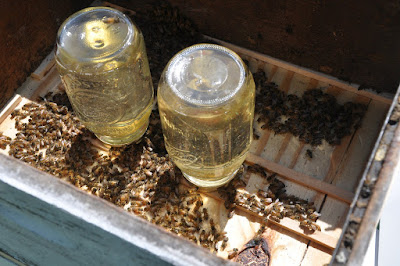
[206, 99]
[101, 57]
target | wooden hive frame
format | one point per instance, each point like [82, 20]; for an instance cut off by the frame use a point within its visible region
[330, 182]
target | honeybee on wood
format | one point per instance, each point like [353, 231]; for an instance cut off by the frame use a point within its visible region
[223, 245]
[274, 218]
[205, 214]
[315, 227]
[309, 154]
[232, 253]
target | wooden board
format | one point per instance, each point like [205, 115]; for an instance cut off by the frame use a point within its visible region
[328, 179]
[44, 221]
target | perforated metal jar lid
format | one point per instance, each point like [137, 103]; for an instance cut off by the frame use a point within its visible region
[95, 33]
[205, 74]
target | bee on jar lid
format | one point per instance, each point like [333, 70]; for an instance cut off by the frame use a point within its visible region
[110, 20]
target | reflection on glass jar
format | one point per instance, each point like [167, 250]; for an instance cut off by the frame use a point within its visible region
[206, 101]
[102, 61]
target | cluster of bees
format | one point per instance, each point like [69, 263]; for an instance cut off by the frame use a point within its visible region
[314, 117]
[140, 177]
[271, 203]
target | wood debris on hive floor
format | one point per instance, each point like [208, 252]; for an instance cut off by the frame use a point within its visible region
[293, 201]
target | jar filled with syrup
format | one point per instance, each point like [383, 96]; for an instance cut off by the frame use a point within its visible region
[103, 65]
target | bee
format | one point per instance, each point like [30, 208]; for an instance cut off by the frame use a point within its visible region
[275, 219]
[262, 194]
[314, 216]
[202, 235]
[212, 224]
[261, 230]
[311, 211]
[148, 173]
[232, 253]
[205, 245]
[276, 214]
[124, 198]
[300, 208]
[255, 209]
[305, 223]
[110, 20]
[276, 207]
[223, 245]
[315, 227]
[266, 201]
[191, 200]
[309, 154]
[205, 214]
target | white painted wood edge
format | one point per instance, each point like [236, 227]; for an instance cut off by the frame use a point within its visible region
[11, 105]
[45, 66]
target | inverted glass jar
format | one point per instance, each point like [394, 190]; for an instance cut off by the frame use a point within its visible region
[103, 65]
[206, 100]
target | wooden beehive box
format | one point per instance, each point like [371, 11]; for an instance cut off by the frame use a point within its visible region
[44, 220]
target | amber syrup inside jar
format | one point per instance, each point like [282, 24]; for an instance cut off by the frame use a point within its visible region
[206, 101]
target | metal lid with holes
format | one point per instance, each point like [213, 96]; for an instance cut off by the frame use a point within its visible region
[95, 34]
[205, 74]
